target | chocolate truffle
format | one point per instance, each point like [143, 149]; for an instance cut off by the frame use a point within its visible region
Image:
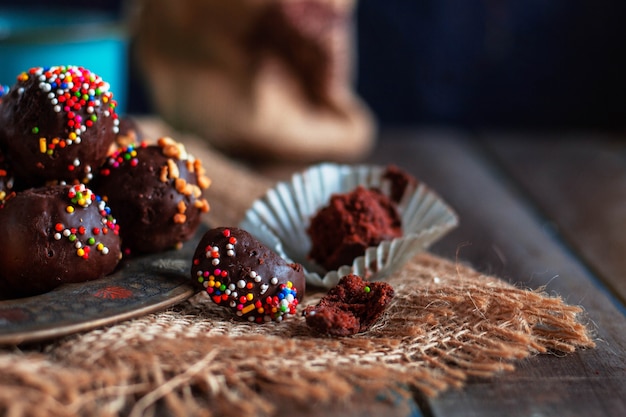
[57, 124]
[54, 235]
[6, 179]
[155, 192]
[242, 274]
[351, 307]
[349, 224]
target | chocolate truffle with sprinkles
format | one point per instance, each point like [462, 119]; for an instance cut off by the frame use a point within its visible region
[6, 179]
[53, 235]
[156, 193]
[57, 124]
[243, 275]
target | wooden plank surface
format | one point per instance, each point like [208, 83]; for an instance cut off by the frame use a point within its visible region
[579, 182]
[502, 233]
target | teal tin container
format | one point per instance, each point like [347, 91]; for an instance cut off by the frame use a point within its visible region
[95, 40]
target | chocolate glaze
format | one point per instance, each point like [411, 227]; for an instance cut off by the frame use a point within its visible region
[6, 178]
[155, 192]
[43, 244]
[242, 274]
[30, 126]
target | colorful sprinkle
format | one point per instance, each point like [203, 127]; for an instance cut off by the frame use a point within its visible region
[240, 294]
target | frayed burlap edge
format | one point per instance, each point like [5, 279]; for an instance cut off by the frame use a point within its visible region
[446, 323]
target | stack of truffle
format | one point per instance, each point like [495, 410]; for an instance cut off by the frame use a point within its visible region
[75, 194]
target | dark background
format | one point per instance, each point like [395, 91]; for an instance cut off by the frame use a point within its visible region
[478, 63]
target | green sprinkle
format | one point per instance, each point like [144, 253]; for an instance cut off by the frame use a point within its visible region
[367, 289]
[35, 130]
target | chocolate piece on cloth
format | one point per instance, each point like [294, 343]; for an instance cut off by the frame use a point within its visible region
[270, 77]
[352, 306]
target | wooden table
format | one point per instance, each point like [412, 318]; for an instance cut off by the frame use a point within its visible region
[537, 210]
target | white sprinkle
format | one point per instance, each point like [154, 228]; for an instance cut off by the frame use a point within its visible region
[57, 236]
[233, 304]
[66, 232]
[78, 245]
[252, 274]
[230, 253]
[105, 250]
[274, 281]
[231, 286]
[241, 283]
[205, 284]
[250, 318]
[230, 246]
[57, 109]
[264, 288]
[215, 261]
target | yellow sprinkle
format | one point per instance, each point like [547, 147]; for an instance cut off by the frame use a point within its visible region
[69, 209]
[80, 252]
[72, 135]
[247, 308]
[100, 246]
[42, 145]
[249, 296]
[289, 284]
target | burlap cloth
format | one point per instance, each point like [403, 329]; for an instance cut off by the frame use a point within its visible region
[447, 322]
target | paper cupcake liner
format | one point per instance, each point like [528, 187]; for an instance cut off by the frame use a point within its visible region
[280, 218]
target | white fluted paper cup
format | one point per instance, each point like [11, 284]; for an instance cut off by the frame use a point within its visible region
[281, 217]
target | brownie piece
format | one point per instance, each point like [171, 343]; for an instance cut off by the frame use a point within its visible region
[349, 224]
[351, 307]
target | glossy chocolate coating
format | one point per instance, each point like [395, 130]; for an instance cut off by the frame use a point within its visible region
[156, 198]
[242, 274]
[53, 130]
[46, 239]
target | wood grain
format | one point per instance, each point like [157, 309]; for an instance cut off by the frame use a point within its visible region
[502, 233]
[579, 182]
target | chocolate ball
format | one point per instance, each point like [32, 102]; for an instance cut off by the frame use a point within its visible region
[155, 192]
[57, 124]
[242, 274]
[54, 235]
[6, 179]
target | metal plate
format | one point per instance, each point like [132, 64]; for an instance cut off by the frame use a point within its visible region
[139, 286]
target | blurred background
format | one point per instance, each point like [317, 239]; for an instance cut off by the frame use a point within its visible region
[465, 63]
